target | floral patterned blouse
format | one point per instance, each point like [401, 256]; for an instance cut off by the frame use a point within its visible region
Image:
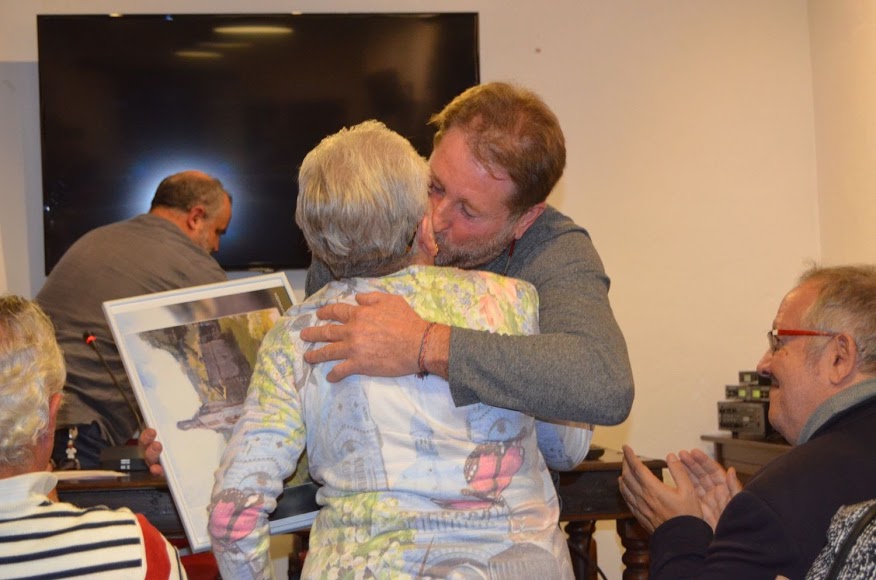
[412, 486]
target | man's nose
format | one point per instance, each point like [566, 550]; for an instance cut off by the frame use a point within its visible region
[763, 366]
[440, 221]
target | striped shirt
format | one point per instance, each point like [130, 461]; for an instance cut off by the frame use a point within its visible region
[42, 539]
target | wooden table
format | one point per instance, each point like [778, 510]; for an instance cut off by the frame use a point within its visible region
[587, 494]
[139, 491]
[747, 456]
[590, 493]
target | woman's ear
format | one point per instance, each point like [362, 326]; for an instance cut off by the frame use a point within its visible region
[54, 407]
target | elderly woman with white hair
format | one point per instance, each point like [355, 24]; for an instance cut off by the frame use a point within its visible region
[39, 537]
[412, 486]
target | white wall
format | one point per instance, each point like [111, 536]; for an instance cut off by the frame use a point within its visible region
[692, 161]
[844, 69]
[3, 284]
[697, 160]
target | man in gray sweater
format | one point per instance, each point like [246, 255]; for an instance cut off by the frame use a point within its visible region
[498, 153]
[165, 249]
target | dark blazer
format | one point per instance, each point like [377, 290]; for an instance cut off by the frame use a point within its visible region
[778, 523]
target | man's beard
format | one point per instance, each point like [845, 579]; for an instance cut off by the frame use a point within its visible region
[473, 255]
[203, 242]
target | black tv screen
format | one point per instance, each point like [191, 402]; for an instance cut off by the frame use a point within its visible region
[127, 100]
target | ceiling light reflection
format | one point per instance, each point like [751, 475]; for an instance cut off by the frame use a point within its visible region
[206, 54]
[253, 29]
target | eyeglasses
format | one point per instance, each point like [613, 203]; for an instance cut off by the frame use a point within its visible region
[776, 343]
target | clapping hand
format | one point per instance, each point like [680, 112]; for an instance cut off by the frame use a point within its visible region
[652, 501]
[714, 486]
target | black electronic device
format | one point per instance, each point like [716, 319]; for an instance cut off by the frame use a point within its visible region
[126, 100]
[753, 378]
[745, 418]
[119, 457]
[123, 458]
[747, 392]
[746, 410]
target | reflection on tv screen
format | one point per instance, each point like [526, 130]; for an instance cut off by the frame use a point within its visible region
[126, 101]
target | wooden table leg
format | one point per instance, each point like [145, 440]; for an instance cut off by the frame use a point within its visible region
[636, 557]
[300, 545]
[582, 548]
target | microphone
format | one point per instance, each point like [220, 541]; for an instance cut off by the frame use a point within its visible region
[91, 341]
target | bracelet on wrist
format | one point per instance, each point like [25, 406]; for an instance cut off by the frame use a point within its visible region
[421, 358]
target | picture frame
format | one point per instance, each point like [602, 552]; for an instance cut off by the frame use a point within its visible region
[189, 355]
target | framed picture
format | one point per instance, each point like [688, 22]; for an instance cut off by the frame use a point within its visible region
[189, 355]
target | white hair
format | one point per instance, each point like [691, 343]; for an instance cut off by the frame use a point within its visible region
[31, 371]
[361, 195]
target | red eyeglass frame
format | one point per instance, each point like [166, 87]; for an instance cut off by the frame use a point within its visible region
[774, 334]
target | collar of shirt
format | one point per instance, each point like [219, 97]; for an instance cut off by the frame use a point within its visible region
[845, 399]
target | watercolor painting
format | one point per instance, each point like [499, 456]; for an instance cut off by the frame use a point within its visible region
[189, 355]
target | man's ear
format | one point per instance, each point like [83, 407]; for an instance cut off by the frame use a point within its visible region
[843, 358]
[527, 219]
[195, 216]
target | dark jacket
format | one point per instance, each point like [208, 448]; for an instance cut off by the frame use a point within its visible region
[778, 523]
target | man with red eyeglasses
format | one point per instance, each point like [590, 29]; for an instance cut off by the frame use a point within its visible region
[822, 362]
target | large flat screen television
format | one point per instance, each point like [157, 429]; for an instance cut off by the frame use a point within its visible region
[126, 100]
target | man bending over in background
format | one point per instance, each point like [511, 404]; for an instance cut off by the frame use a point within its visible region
[165, 249]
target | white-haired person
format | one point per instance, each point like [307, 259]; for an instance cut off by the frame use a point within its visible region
[40, 537]
[412, 486]
[822, 364]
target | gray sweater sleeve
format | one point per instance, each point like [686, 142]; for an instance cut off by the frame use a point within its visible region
[578, 368]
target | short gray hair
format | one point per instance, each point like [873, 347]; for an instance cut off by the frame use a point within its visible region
[183, 191]
[846, 302]
[361, 194]
[31, 371]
